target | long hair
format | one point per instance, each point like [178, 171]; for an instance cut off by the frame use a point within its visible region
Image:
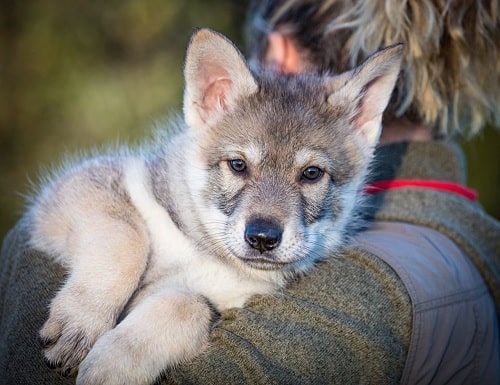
[450, 77]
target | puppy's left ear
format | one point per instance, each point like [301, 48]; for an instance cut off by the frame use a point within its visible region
[216, 76]
[366, 90]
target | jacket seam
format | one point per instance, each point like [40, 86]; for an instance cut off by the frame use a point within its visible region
[452, 299]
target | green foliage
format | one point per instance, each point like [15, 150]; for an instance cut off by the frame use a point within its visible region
[80, 74]
[483, 174]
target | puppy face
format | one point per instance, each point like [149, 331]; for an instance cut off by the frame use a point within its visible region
[281, 174]
[278, 161]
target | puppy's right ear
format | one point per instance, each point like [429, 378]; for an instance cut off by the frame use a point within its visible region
[216, 76]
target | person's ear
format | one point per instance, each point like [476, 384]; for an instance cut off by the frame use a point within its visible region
[282, 54]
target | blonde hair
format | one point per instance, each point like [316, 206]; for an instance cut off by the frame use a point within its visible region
[450, 78]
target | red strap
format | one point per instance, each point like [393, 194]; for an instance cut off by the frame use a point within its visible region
[455, 188]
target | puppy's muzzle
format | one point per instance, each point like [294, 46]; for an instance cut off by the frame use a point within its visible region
[263, 234]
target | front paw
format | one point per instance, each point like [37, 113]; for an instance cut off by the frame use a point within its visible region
[70, 332]
[115, 360]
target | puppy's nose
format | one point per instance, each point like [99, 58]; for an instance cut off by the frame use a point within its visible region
[263, 234]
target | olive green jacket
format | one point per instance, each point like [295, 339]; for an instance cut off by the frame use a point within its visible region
[352, 320]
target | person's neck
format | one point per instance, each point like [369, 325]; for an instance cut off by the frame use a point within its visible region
[403, 130]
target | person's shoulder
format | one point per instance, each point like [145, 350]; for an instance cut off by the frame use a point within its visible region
[348, 320]
[16, 237]
[23, 266]
[28, 282]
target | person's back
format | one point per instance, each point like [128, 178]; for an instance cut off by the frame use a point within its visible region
[449, 263]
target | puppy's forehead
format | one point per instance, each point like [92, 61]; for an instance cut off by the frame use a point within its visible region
[294, 107]
[305, 156]
[285, 115]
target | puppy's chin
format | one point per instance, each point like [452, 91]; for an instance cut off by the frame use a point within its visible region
[269, 260]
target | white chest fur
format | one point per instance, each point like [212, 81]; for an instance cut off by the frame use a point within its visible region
[175, 260]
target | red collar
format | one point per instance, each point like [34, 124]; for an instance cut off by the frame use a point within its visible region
[375, 187]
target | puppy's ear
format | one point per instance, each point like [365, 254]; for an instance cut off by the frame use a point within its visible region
[366, 90]
[216, 76]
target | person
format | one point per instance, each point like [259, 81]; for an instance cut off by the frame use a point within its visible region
[415, 297]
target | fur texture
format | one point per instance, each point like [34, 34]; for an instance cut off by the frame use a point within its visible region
[258, 184]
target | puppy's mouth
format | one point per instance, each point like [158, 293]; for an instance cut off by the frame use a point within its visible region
[264, 263]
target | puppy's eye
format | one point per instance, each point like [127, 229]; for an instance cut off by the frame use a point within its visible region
[311, 174]
[237, 165]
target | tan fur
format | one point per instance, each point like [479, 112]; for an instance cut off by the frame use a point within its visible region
[260, 182]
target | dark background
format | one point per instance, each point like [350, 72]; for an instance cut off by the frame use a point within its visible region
[75, 75]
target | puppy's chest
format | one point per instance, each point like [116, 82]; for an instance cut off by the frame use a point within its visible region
[176, 263]
[200, 274]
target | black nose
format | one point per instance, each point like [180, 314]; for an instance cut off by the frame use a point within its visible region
[263, 234]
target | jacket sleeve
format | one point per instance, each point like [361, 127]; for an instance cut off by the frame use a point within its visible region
[28, 281]
[347, 322]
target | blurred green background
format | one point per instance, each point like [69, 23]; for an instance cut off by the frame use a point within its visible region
[81, 74]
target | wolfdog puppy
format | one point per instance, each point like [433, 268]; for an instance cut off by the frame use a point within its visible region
[257, 183]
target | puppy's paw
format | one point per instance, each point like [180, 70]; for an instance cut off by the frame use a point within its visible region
[70, 332]
[114, 360]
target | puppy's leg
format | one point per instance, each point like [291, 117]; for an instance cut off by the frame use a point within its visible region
[164, 329]
[107, 258]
